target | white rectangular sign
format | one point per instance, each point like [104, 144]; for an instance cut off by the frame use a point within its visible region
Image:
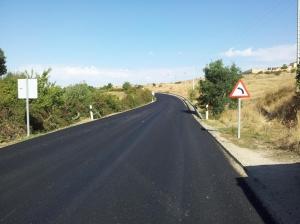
[32, 88]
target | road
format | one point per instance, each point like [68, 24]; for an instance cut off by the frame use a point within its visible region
[152, 165]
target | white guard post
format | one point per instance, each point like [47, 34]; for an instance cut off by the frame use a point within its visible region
[91, 113]
[153, 94]
[206, 112]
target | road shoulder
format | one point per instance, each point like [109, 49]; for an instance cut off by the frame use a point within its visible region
[272, 176]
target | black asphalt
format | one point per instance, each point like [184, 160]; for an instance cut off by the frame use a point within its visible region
[153, 165]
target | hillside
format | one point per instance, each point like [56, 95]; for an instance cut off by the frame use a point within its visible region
[181, 88]
[270, 117]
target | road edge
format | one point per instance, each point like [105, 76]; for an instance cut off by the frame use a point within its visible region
[265, 211]
[82, 122]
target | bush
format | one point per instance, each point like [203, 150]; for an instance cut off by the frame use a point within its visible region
[57, 107]
[105, 104]
[192, 93]
[218, 83]
[284, 67]
[277, 73]
[126, 86]
[298, 77]
[77, 99]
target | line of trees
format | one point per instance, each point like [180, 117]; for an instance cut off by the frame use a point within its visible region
[58, 107]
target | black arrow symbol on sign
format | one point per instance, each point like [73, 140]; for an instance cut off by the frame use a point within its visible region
[241, 90]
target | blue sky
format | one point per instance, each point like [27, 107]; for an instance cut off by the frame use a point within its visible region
[144, 41]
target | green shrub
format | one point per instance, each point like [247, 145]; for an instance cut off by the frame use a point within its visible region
[126, 86]
[57, 107]
[218, 83]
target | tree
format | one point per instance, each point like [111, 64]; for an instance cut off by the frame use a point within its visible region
[109, 86]
[77, 98]
[218, 83]
[126, 86]
[3, 68]
[284, 66]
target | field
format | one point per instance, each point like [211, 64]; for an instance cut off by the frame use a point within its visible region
[181, 88]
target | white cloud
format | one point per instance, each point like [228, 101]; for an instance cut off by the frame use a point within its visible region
[96, 76]
[276, 54]
[239, 53]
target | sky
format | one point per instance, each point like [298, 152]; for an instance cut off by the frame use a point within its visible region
[144, 41]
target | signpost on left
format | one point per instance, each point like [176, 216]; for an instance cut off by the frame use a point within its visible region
[27, 89]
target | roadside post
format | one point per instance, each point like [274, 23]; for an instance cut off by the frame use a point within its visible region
[27, 89]
[206, 112]
[153, 94]
[239, 92]
[91, 113]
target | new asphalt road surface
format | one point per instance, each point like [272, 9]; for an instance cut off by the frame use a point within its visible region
[154, 165]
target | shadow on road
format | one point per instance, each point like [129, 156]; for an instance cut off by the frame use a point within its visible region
[188, 112]
[274, 190]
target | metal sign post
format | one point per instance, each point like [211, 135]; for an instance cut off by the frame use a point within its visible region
[239, 118]
[27, 89]
[27, 108]
[239, 91]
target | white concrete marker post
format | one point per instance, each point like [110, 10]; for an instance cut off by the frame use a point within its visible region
[27, 89]
[239, 91]
[206, 112]
[91, 113]
[153, 94]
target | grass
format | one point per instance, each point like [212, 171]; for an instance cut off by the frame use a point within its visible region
[270, 118]
[181, 88]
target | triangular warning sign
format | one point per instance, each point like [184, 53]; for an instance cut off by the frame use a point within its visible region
[239, 91]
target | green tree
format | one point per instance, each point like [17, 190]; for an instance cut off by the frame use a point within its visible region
[109, 86]
[126, 86]
[77, 99]
[218, 83]
[298, 78]
[284, 66]
[3, 68]
[47, 109]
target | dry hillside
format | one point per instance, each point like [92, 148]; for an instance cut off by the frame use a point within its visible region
[270, 117]
[181, 88]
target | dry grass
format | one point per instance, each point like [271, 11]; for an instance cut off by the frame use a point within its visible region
[180, 88]
[269, 118]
